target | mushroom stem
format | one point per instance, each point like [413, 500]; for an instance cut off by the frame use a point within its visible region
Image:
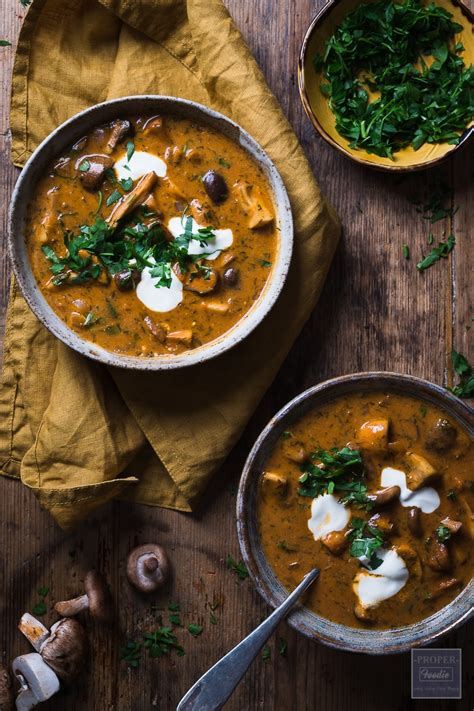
[38, 681]
[34, 630]
[70, 608]
[151, 564]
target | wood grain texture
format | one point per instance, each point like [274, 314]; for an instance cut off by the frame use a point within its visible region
[376, 312]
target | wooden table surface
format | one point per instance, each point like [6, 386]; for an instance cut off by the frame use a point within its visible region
[376, 313]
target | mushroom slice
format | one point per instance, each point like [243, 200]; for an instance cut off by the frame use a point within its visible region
[37, 680]
[201, 212]
[373, 435]
[135, 197]
[155, 328]
[97, 599]
[441, 436]
[420, 471]
[253, 204]
[201, 281]
[185, 337]
[49, 223]
[451, 524]
[34, 630]
[295, 451]
[155, 126]
[469, 527]
[383, 523]
[172, 188]
[414, 521]
[385, 496]
[336, 542]
[275, 483]
[444, 585]
[66, 648]
[365, 614]
[438, 557]
[97, 165]
[6, 689]
[216, 307]
[148, 567]
[119, 130]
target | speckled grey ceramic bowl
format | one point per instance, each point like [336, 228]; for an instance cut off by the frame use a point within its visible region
[318, 628]
[65, 136]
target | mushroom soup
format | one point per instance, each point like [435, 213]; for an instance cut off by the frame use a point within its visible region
[153, 235]
[377, 490]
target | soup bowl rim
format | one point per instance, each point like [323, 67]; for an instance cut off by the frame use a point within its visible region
[303, 620]
[72, 130]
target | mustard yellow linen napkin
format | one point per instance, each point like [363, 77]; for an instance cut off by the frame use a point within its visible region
[78, 433]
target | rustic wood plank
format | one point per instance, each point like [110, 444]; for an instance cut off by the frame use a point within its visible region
[375, 313]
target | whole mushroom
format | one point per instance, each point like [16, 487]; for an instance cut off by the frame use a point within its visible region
[148, 567]
[97, 599]
[6, 689]
[66, 649]
[38, 682]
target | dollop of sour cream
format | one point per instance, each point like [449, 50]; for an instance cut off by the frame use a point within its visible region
[385, 581]
[427, 499]
[140, 163]
[327, 515]
[222, 240]
[161, 298]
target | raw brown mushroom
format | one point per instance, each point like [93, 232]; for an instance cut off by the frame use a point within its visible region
[65, 650]
[135, 197]
[6, 690]
[148, 567]
[119, 130]
[97, 599]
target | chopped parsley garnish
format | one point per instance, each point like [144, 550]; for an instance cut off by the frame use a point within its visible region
[99, 247]
[195, 629]
[406, 251]
[266, 654]
[442, 533]
[264, 263]
[440, 252]
[365, 542]
[238, 568]
[335, 470]
[84, 166]
[465, 387]
[438, 206]
[130, 150]
[382, 91]
[90, 320]
[5, 43]
[223, 163]
[161, 642]
[451, 495]
[284, 546]
[131, 653]
[126, 184]
[40, 607]
[282, 647]
[113, 197]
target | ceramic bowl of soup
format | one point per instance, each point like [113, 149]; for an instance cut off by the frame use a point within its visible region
[150, 232]
[313, 84]
[369, 478]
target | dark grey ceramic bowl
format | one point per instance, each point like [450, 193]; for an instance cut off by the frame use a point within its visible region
[303, 620]
[78, 126]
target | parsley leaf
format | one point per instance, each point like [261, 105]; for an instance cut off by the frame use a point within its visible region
[161, 642]
[130, 150]
[465, 387]
[113, 197]
[195, 629]
[238, 568]
[442, 533]
[131, 653]
[335, 470]
[5, 43]
[437, 253]
[365, 541]
[84, 166]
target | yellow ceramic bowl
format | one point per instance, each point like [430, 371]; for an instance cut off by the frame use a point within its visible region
[316, 104]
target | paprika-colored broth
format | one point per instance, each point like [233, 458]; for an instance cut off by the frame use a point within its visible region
[387, 455]
[152, 235]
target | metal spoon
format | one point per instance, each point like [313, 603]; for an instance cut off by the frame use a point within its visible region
[213, 689]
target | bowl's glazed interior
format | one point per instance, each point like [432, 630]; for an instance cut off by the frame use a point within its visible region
[76, 127]
[317, 105]
[304, 620]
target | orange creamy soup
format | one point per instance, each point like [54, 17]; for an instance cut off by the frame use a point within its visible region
[152, 235]
[376, 490]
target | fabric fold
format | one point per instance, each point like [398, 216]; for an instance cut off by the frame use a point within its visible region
[76, 432]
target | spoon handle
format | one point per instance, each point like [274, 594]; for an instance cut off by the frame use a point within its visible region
[213, 689]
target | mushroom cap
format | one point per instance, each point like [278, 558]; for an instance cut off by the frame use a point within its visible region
[6, 689]
[65, 651]
[100, 598]
[148, 567]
